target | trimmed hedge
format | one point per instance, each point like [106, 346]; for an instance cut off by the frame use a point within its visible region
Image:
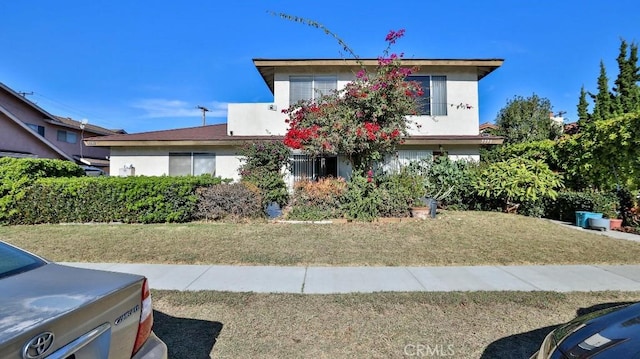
[18, 173]
[110, 199]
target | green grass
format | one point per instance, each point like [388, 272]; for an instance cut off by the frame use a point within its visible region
[490, 325]
[454, 238]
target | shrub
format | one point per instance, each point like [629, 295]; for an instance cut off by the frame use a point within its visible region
[516, 181]
[544, 150]
[628, 211]
[109, 199]
[18, 173]
[564, 206]
[233, 201]
[33, 168]
[317, 200]
[394, 199]
[361, 201]
[263, 165]
[448, 181]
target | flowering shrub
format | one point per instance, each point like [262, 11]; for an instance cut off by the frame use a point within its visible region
[363, 121]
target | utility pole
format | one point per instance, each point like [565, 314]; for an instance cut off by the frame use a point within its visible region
[204, 116]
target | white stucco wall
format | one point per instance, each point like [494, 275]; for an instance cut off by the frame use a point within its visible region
[154, 161]
[268, 119]
[256, 119]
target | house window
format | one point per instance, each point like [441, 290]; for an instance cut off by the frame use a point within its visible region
[310, 87]
[66, 136]
[39, 129]
[192, 163]
[394, 162]
[434, 100]
[308, 168]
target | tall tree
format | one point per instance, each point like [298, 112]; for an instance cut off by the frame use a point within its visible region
[527, 119]
[603, 100]
[583, 106]
[626, 88]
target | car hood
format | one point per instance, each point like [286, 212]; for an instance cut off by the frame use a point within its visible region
[29, 299]
[609, 333]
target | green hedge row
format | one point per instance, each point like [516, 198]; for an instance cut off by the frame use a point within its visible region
[109, 199]
[568, 202]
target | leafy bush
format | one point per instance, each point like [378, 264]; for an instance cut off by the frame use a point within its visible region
[564, 206]
[516, 181]
[109, 199]
[361, 200]
[448, 181]
[317, 200]
[544, 150]
[263, 165]
[234, 201]
[395, 200]
[17, 173]
[33, 168]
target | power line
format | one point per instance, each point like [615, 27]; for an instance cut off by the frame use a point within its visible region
[71, 109]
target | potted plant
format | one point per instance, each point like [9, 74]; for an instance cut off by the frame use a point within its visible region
[428, 204]
[613, 215]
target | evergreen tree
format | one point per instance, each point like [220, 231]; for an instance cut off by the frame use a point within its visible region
[634, 93]
[583, 106]
[603, 100]
[627, 93]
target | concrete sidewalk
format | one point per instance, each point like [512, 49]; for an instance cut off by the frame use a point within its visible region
[326, 280]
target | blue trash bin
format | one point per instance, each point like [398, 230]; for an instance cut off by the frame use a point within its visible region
[580, 218]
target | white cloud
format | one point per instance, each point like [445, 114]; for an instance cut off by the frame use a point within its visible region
[163, 108]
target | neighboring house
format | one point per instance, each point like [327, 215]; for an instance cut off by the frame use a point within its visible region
[488, 128]
[448, 121]
[26, 130]
[571, 128]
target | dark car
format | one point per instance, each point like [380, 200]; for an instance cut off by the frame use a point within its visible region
[53, 311]
[612, 333]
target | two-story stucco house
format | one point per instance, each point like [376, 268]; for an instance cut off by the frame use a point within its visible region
[26, 130]
[448, 120]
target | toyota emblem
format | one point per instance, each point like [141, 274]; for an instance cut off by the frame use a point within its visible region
[37, 347]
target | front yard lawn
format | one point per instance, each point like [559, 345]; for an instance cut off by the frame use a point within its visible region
[454, 238]
[486, 325]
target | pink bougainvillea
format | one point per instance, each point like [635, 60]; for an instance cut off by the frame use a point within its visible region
[365, 120]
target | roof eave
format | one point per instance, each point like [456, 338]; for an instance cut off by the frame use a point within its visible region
[471, 140]
[179, 143]
[266, 67]
[426, 140]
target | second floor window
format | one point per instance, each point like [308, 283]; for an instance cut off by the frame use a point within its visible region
[39, 129]
[434, 100]
[68, 137]
[310, 87]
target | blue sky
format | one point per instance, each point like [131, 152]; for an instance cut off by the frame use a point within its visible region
[144, 66]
